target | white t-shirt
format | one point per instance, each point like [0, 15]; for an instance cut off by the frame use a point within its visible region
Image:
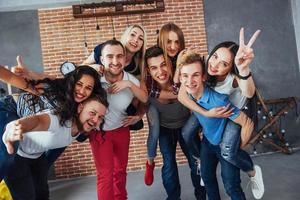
[118, 103]
[35, 143]
[235, 94]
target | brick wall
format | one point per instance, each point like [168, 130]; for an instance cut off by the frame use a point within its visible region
[63, 37]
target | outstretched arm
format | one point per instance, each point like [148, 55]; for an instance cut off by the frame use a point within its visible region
[16, 81]
[220, 112]
[15, 130]
[22, 70]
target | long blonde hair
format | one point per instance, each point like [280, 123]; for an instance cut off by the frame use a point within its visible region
[139, 56]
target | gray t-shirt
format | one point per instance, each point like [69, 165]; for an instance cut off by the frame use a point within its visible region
[172, 115]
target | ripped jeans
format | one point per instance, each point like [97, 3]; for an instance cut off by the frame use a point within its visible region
[230, 145]
[230, 148]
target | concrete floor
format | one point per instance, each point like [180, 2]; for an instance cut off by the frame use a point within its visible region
[281, 177]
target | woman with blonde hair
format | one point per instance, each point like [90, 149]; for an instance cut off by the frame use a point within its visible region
[134, 39]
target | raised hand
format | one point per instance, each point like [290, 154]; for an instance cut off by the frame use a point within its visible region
[20, 69]
[220, 112]
[245, 53]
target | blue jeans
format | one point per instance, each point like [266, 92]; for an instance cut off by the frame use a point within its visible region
[210, 157]
[153, 123]
[8, 113]
[167, 143]
[189, 134]
[230, 148]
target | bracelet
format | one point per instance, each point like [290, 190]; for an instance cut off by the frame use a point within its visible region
[155, 92]
[175, 88]
[244, 77]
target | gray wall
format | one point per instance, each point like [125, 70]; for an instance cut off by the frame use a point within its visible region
[275, 67]
[20, 35]
[296, 17]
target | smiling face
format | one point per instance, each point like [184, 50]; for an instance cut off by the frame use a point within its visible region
[91, 115]
[158, 69]
[135, 40]
[192, 78]
[83, 88]
[220, 63]
[113, 59]
[172, 44]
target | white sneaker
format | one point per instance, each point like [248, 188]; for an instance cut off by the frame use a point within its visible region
[198, 164]
[201, 182]
[257, 183]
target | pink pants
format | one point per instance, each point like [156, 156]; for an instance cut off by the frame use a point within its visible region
[110, 152]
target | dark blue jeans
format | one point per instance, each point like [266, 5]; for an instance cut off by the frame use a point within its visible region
[230, 148]
[210, 157]
[190, 137]
[27, 178]
[8, 113]
[167, 143]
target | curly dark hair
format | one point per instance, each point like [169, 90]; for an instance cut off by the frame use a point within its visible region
[59, 93]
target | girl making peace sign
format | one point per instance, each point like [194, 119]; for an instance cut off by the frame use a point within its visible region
[228, 72]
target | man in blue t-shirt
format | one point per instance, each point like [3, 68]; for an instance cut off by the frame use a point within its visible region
[192, 78]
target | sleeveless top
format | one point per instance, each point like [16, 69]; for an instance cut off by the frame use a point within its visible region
[235, 94]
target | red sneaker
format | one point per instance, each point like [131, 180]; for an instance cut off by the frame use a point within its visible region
[149, 173]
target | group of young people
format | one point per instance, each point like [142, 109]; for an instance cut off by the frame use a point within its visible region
[164, 82]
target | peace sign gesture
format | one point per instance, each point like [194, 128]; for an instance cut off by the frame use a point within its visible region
[245, 54]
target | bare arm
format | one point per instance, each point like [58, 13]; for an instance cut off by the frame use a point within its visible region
[16, 81]
[247, 86]
[247, 127]
[220, 112]
[137, 91]
[90, 61]
[15, 130]
[22, 70]
[187, 102]
[243, 59]
[39, 122]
